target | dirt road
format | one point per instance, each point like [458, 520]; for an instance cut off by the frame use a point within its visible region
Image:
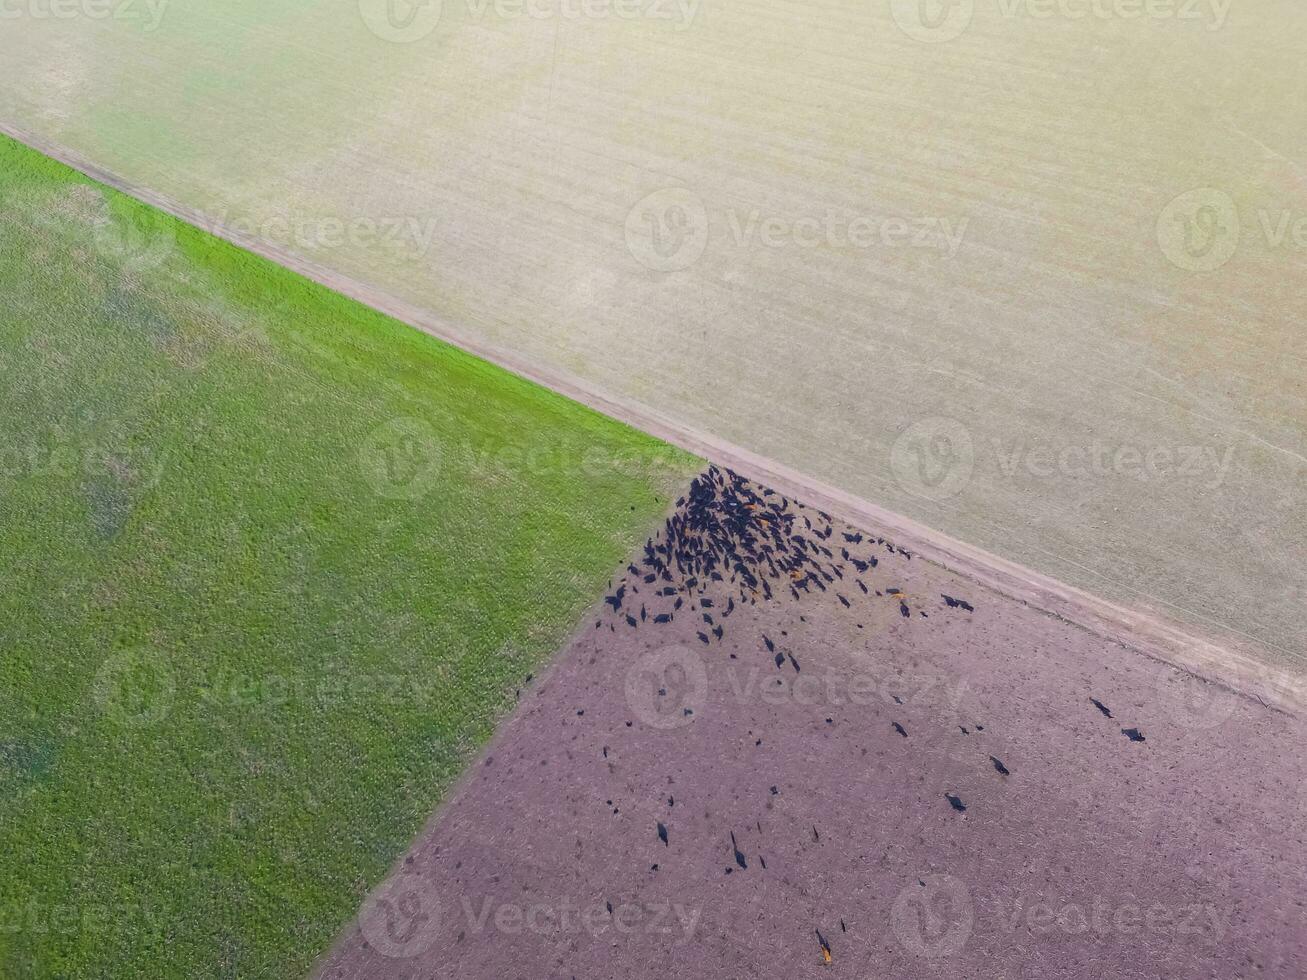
[1024, 272]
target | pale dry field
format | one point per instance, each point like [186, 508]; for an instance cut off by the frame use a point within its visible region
[1029, 273]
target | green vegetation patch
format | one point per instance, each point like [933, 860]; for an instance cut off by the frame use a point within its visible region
[271, 567]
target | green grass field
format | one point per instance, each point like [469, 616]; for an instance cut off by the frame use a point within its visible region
[271, 567]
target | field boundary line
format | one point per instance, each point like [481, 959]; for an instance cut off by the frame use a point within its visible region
[1230, 663]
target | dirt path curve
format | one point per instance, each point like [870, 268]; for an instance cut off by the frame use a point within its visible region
[914, 776]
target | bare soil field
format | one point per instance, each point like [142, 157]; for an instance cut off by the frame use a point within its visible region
[782, 746]
[1025, 272]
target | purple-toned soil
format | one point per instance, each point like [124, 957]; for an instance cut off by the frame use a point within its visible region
[935, 794]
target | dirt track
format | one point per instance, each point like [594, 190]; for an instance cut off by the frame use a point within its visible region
[1160, 635]
[924, 795]
[1034, 285]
